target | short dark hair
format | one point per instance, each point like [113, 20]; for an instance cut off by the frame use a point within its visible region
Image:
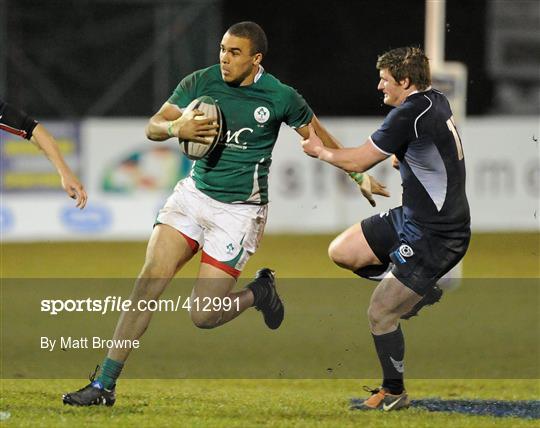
[408, 62]
[252, 31]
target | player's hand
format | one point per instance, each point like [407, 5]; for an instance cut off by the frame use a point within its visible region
[74, 189]
[370, 186]
[312, 145]
[395, 162]
[190, 127]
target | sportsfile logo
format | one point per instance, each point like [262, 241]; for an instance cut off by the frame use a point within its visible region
[118, 304]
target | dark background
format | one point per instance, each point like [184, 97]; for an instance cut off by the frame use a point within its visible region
[59, 58]
[329, 49]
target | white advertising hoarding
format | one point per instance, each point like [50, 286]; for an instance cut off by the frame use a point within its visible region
[503, 178]
[128, 178]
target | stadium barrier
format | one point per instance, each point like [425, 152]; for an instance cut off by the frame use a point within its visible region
[128, 178]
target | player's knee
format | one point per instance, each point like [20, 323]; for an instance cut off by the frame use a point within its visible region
[205, 320]
[376, 314]
[338, 254]
[154, 269]
[372, 315]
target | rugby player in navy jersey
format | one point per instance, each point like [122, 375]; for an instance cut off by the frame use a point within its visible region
[412, 246]
[17, 122]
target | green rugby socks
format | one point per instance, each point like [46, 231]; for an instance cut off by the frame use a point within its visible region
[110, 370]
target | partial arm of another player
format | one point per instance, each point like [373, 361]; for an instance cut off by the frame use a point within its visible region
[355, 159]
[19, 123]
[43, 139]
[369, 186]
[395, 162]
[327, 139]
[169, 122]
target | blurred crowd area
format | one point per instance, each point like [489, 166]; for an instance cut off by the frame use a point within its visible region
[73, 59]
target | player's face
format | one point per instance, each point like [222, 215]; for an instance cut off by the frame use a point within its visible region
[394, 92]
[238, 65]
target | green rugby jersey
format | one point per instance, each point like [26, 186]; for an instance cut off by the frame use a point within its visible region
[237, 169]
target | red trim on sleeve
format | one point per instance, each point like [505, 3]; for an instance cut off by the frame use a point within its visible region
[19, 132]
[235, 273]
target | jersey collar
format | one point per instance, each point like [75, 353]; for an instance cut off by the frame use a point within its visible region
[259, 74]
[418, 92]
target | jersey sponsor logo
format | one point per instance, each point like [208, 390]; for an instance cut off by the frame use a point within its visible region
[233, 139]
[398, 365]
[406, 251]
[261, 114]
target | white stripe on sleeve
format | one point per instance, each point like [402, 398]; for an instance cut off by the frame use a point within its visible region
[378, 148]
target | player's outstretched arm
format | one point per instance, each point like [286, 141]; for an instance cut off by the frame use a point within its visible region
[317, 139]
[327, 139]
[43, 139]
[169, 122]
[355, 159]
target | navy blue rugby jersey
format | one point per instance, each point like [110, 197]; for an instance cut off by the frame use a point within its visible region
[422, 134]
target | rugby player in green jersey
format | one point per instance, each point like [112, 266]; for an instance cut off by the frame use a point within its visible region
[222, 206]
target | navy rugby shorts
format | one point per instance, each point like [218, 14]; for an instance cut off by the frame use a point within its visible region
[420, 256]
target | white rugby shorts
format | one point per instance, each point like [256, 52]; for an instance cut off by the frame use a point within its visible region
[228, 233]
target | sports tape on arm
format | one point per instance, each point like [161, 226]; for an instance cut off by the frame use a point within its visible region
[357, 177]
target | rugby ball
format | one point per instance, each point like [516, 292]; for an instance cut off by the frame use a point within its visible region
[208, 106]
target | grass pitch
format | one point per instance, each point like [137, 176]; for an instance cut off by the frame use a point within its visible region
[270, 402]
[249, 403]
[490, 255]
